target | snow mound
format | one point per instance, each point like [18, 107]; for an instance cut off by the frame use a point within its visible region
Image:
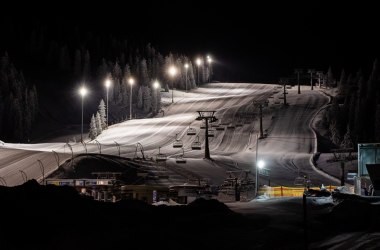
[262, 197]
[344, 190]
[319, 201]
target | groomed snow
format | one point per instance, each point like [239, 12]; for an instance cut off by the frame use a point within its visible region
[286, 150]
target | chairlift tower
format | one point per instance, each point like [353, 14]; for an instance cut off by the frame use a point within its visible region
[311, 72]
[320, 75]
[260, 104]
[284, 81]
[298, 72]
[207, 116]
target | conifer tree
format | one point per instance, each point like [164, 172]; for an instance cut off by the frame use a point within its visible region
[98, 124]
[93, 130]
[140, 98]
[144, 77]
[103, 115]
[147, 99]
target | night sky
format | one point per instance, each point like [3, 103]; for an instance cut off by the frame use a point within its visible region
[250, 43]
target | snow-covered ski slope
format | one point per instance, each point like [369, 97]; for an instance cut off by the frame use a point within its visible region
[286, 150]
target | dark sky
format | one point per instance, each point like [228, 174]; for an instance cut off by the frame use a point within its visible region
[251, 40]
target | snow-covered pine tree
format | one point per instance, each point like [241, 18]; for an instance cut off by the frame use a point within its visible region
[158, 100]
[154, 100]
[93, 130]
[140, 98]
[103, 115]
[347, 139]
[343, 83]
[147, 99]
[116, 73]
[98, 124]
[334, 134]
[144, 77]
[330, 78]
[191, 77]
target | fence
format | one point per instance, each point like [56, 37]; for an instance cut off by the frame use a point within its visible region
[283, 191]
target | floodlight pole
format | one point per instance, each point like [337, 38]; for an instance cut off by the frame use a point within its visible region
[256, 167]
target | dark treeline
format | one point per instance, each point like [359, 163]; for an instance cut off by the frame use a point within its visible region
[58, 61]
[354, 115]
[18, 103]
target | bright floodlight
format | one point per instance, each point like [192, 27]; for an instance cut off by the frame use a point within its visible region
[131, 81]
[156, 84]
[108, 83]
[209, 59]
[82, 91]
[261, 164]
[186, 65]
[172, 70]
[199, 61]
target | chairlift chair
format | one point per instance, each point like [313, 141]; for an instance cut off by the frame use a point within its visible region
[219, 128]
[196, 145]
[177, 143]
[180, 158]
[191, 131]
[211, 133]
[203, 125]
[231, 126]
[160, 157]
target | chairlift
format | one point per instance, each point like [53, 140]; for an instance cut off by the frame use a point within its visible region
[196, 145]
[211, 133]
[220, 128]
[191, 131]
[239, 123]
[177, 143]
[160, 157]
[180, 158]
[231, 126]
[203, 124]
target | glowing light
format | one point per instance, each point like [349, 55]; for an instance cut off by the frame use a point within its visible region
[261, 164]
[108, 83]
[156, 84]
[131, 81]
[199, 61]
[186, 66]
[82, 91]
[172, 71]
